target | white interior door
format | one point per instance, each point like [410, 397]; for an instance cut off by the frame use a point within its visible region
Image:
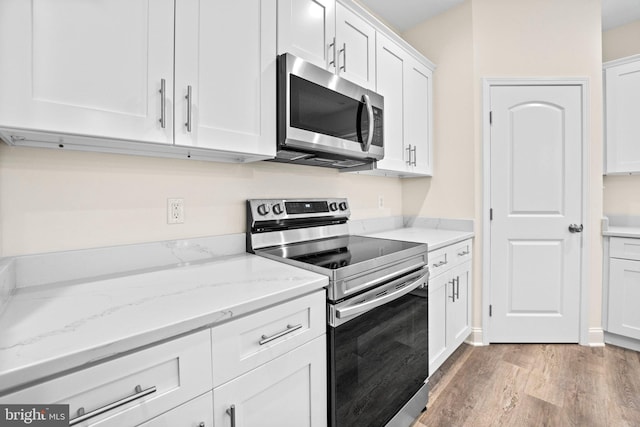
[536, 194]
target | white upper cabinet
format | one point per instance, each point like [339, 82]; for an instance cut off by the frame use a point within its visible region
[100, 76]
[406, 86]
[88, 68]
[390, 63]
[225, 75]
[418, 117]
[330, 36]
[355, 48]
[622, 114]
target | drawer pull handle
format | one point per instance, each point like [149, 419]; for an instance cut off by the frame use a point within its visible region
[232, 413]
[265, 339]
[463, 253]
[440, 264]
[82, 416]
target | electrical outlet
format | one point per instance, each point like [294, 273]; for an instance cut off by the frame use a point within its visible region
[380, 202]
[175, 211]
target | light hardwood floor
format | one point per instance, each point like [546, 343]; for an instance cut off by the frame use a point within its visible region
[535, 385]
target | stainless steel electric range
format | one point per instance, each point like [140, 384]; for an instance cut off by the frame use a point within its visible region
[377, 307]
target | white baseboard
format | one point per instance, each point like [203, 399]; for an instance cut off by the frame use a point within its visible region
[475, 337]
[596, 337]
[621, 341]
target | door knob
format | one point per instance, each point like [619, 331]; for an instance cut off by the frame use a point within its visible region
[575, 228]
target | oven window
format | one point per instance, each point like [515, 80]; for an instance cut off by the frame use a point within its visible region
[321, 110]
[378, 361]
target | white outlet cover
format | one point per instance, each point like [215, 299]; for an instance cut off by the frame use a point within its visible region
[175, 211]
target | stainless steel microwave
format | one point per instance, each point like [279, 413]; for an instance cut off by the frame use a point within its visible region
[325, 120]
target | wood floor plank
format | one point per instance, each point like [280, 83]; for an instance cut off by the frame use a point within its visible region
[537, 385]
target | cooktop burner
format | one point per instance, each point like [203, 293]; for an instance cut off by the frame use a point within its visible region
[338, 252]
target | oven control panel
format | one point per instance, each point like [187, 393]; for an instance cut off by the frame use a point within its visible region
[281, 209]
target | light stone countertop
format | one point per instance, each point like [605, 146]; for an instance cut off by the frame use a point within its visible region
[47, 330]
[621, 226]
[433, 237]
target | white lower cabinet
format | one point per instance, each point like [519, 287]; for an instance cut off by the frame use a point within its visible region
[155, 380]
[449, 301]
[623, 286]
[289, 391]
[195, 413]
[268, 368]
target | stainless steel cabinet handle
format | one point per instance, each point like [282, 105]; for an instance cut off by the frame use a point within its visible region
[440, 264]
[463, 253]
[453, 290]
[414, 155]
[82, 416]
[232, 413]
[188, 98]
[333, 46]
[409, 153]
[367, 103]
[163, 103]
[575, 228]
[265, 339]
[457, 287]
[344, 57]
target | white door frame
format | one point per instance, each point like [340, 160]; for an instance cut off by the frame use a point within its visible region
[487, 84]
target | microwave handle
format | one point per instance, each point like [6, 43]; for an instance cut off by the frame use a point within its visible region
[367, 103]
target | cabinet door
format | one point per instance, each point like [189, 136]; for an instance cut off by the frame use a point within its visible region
[79, 67]
[290, 391]
[225, 60]
[622, 104]
[195, 413]
[458, 309]
[417, 115]
[624, 294]
[356, 48]
[390, 63]
[306, 29]
[437, 320]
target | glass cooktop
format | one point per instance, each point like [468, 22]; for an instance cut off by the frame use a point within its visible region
[338, 252]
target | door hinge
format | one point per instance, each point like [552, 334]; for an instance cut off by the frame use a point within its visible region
[490, 117]
[491, 214]
[490, 310]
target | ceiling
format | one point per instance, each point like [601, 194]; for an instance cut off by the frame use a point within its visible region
[405, 14]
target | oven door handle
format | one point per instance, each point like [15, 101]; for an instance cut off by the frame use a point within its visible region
[354, 310]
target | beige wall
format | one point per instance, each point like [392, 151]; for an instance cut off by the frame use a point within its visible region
[57, 200]
[543, 38]
[447, 41]
[621, 193]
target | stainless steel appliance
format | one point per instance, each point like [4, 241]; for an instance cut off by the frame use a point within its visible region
[325, 120]
[377, 306]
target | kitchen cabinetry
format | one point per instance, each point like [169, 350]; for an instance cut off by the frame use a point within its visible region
[623, 290]
[70, 78]
[406, 85]
[330, 36]
[162, 377]
[289, 391]
[195, 413]
[272, 366]
[449, 301]
[269, 365]
[622, 109]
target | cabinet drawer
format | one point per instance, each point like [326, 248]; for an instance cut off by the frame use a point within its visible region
[250, 341]
[179, 370]
[439, 261]
[625, 248]
[443, 259]
[195, 413]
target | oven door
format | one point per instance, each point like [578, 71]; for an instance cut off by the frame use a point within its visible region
[378, 352]
[320, 112]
